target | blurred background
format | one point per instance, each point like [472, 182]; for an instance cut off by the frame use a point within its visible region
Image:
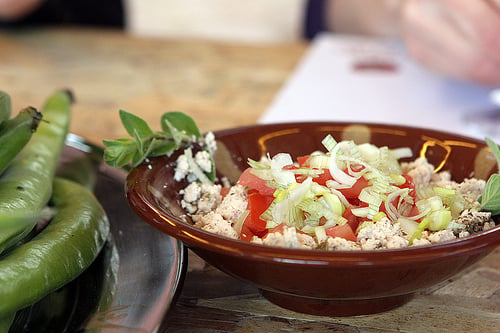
[249, 61]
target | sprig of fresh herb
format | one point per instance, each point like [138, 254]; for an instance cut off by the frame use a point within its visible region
[178, 130]
[490, 200]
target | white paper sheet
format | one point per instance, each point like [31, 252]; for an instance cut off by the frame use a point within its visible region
[327, 86]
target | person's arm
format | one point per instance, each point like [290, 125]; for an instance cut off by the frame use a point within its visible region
[366, 17]
[459, 38]
[11, 10]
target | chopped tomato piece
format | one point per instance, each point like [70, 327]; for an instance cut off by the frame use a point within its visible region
[354, 191]
[279, 228]
[352, 220]
[323, 177]
[342, 231]
[303, 160]
[407, 209]
[224, 191]
[257, 204]
[409, 184]
[246, 234]
[414, 212]
[247, 178]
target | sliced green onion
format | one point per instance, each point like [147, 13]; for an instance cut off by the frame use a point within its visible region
[334, 203]
[336, 172]
[440, 220]
[392, 211]
[397, 179]
[280, 176]
[319, 161]
[320, 234]
[379, 216]
[432, 203]
[194, 168]
[408, 226]
[259, 165]
[403, 152]
[339, 220]
[329, 142]
[369, 152]
[239, 223]
[341, 197]
[286, 210]
[360, 211]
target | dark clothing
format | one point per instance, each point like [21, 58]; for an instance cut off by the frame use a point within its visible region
[104, 13]
[314, 18]
[110, 13]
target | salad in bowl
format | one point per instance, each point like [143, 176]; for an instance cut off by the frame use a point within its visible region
[372, 213]
[348, 197]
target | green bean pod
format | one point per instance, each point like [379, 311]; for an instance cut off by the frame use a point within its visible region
[15, 133]
[15, 227]
[59, 253]
[5, 106]
[26, 185]
[6, 322]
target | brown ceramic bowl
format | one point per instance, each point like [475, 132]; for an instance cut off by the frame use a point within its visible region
[339, 283]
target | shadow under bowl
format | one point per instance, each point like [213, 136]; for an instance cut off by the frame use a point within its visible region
[329, 283]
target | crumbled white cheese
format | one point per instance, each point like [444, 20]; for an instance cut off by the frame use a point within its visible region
[200, 198]
[234, 204]
[210, 142]
[202, 158]
[214, 222]
[442, 179]
[471, 189]
[382, 234]
[441, 236]
[420, 170]
[338, 243]
[423, 240]
[290, 238]
[181, 168]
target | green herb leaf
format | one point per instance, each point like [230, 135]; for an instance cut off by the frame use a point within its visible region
[119, 152]
[162, 147]
[176, 121]
[494, 149]
[178, 130]
[135, 126]
[490, 200]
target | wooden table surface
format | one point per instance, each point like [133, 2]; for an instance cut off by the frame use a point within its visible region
[219, 85]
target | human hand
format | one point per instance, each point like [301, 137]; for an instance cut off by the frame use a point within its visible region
[11, 10]
[460, 38]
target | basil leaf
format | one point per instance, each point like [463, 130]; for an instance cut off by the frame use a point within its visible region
[119, 152]
[172, 132]
[494, 149]
[181, 123]
[490, 200]
[212, 173]
[163, 147]
[178, 128]
[135, 126]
